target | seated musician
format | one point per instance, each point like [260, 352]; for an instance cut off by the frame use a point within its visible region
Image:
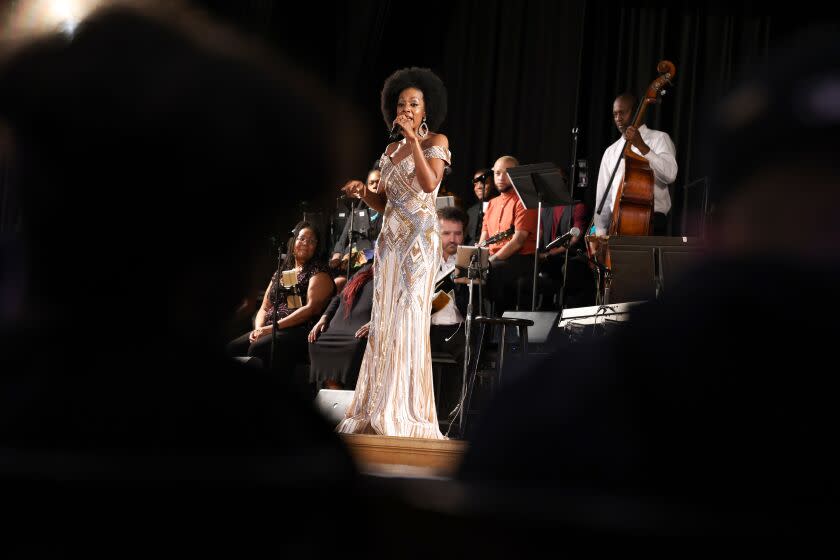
[449, 307]
[367, 223]
[655, 146]
[511, 264]
[484, 191]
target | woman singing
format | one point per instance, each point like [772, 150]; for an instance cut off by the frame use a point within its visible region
[394, 394]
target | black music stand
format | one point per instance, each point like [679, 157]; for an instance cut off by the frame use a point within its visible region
[535, 184]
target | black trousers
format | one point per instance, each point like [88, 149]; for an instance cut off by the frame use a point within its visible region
[511, 282]
[660, 223]
[290, 353]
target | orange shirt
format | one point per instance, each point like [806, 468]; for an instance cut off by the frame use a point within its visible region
[507, 210]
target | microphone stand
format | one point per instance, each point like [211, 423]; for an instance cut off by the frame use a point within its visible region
[565, 269]
[571, 206]
[276, 312]
[607, 285]
[474, 272]
[536, 252]
[572, 171]
[481, 221]
[332, 225]
[612, 176]
[350, 238]
[603, 273]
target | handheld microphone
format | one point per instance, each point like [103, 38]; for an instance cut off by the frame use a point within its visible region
[396, 133]
[574, 232]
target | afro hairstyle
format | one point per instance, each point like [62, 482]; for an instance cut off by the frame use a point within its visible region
[434, 94]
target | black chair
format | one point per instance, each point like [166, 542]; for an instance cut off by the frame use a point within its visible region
[440, 360]
[504, 323]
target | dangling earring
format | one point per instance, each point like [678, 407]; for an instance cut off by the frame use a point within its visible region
[423, 129]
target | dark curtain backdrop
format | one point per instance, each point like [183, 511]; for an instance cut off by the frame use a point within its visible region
[510, 68]
[520, 75]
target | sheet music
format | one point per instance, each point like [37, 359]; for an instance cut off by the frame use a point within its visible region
[597, 314]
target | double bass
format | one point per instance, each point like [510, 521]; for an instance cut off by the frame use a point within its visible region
[633, 210]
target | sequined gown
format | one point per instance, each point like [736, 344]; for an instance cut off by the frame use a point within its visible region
[394, 394]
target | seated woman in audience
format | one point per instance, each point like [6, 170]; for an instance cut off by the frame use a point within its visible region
[339, 338]
[294, 318]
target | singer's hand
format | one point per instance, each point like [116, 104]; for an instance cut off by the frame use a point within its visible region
[406, 122]
[355, 188]
[363, 331]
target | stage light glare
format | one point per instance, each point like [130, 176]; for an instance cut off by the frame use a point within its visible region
[33, 17]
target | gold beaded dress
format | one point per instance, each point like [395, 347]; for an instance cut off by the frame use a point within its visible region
[394, 393]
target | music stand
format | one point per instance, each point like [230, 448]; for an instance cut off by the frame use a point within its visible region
[444, 201]
[464, 258]
[535, 184]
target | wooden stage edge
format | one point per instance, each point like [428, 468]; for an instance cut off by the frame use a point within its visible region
[400, 456]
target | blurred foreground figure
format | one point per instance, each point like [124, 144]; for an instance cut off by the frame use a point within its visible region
[145, 151]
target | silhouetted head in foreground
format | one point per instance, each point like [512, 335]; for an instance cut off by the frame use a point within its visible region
[151, 151]
[154, 151]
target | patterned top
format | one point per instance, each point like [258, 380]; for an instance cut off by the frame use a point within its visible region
[309, 270]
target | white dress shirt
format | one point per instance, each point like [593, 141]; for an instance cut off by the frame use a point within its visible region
[663, 163]
[449, 315]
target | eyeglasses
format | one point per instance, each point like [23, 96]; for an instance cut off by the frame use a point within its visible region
[307, 240]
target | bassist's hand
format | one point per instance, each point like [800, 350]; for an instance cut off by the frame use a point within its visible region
[632, 135]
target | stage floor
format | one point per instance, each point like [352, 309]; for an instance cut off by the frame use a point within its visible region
[405, 457]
